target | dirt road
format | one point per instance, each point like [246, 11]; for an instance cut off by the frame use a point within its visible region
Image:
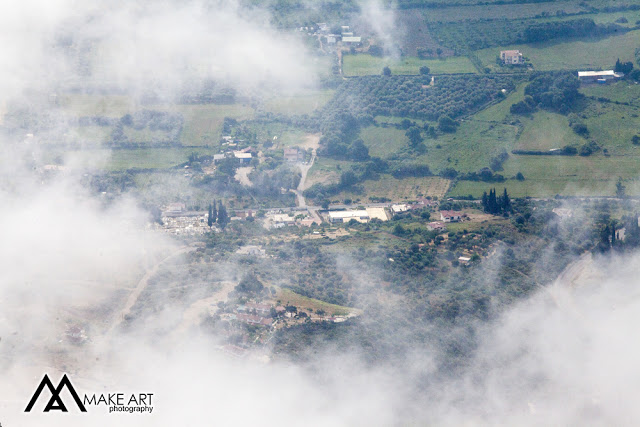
[142, 284]
[242, 176]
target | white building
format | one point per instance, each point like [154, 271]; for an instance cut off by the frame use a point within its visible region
[598, 76]
[243, 158]
[346, 216]
[399, 208]
[450, 216]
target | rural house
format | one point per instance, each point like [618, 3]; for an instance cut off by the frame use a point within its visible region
[293, 155]
[511, 57]
[450, 216]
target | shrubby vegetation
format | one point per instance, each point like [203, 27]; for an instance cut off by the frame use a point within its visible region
[557, 91]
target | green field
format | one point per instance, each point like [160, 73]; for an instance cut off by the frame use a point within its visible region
[469, 149]
[299, 104]
[326, 171]
[572, 55]
[364, 65]
[547, 130]
[622, 91]
[118, 160]
[96, 105]
[508, 11]
[546, 176]
[203, 123]
[613, 126]
[383, 142]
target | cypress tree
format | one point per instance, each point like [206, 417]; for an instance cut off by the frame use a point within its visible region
[223, 218]
[210, 215]
[506, 202]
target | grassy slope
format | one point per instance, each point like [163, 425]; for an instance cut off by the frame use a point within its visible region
[203, 123]
[573, 55]
[300, 104]
[546, 130]
[383, 142]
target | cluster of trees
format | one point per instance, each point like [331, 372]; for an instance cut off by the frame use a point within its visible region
[210, 92]
[340, 139]
[249, 285]
[584, 27]
[484, 33]
[217, 215]
[168, 124]
[496, 205]
[556, 91]
[361, 172]
[623, 67]
[408, 96]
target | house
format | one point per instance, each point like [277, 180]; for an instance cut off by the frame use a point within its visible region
[293, 155]
[396, 209]
[351, 40]
[252, 250]
[450, 216]
[243, 158]
[280, 220]
[175, 208]
[598, 76]
[464, 260]
[331, 39]
[436, 226]
[346, 216]
[511, 57]
[252, 319]
[263, 310]
[217, 158]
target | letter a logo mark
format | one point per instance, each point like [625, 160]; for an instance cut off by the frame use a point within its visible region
[55, 403]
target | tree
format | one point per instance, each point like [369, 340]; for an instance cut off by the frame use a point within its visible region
[424, 70]
[447, 124]
[386, 71]
[519, 176]
[439, 51]
[414, 136]
[223, 217]
[249, 285]
[210, 219]
[358, 151]
[623, 67]
[506, 202]
[375, 50]
[620, 189]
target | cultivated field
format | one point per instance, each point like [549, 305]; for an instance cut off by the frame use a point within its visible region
[399, 189]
